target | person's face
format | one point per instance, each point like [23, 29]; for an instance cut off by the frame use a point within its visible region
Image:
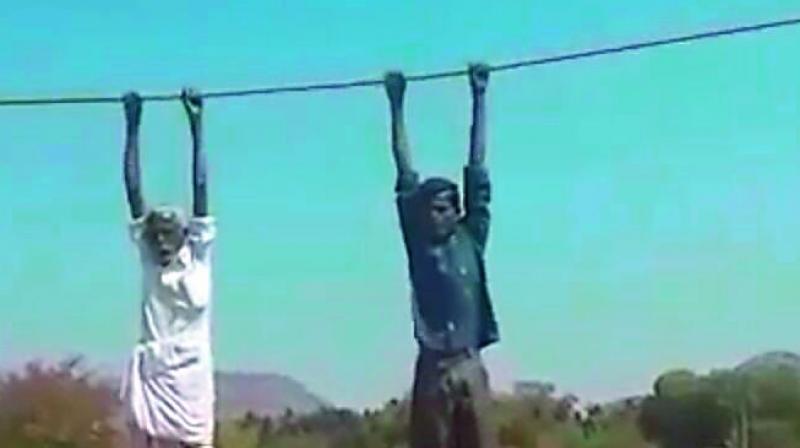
[165, 236]
[442, 215]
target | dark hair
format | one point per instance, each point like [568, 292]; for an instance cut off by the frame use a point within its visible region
[435, 185]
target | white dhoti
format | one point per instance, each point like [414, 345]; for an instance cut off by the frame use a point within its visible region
[170, 391]
[168, 386]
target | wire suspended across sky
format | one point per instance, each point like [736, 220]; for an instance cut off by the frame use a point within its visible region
[422, 77]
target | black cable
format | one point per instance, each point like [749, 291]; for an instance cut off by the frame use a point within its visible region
[422, 77]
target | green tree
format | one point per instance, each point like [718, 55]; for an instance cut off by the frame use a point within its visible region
[685, 411]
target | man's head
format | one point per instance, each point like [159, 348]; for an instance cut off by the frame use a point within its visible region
[164, 232]
[439, 208]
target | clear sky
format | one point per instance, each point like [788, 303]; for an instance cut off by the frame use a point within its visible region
[646, 210]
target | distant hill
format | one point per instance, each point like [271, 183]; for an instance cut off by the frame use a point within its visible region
[770, 360]
[263, 394]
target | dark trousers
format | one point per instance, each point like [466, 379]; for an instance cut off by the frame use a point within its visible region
[450, 402]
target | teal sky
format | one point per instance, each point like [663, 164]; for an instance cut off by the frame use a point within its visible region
[646, 205]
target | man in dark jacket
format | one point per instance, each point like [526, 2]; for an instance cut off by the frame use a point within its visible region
[453, 316]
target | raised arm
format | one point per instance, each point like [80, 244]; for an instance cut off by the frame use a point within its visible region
[477, 189]
[193, 104]
[132, 103]
[395, 84]
[478, 81]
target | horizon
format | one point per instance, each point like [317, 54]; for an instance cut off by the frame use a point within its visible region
[110, 372]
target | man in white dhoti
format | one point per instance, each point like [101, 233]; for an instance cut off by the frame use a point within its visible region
[168, 388]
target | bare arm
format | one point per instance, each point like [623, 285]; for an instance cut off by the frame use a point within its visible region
[133, 115]
[478, 80]
[395, 84]
[193, 104]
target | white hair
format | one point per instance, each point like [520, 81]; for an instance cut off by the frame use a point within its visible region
[169, 211]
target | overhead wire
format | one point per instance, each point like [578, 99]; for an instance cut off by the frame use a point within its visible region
[370, 82]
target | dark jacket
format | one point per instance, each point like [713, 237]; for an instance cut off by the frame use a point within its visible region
[452, 308]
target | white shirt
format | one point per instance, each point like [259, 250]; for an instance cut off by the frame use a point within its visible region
[169, 386]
